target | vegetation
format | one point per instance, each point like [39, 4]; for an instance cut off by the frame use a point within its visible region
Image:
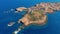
[32, 17]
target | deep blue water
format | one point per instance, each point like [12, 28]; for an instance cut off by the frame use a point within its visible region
[53, 26]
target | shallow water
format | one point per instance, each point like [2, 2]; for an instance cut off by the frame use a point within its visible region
[6, 16]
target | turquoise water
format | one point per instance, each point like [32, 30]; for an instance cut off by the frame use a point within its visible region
[53, 26]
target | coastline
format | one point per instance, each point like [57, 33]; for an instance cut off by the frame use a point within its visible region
[48, 9]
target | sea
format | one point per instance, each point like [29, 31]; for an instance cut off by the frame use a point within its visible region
[7, 15]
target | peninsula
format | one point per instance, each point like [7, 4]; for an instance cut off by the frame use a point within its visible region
[36, 14]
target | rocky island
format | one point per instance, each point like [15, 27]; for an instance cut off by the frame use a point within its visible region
[36, 14]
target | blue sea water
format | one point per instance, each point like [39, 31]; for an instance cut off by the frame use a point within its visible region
[6, 16]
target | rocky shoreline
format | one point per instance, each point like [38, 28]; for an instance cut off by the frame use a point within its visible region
[43, 8]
